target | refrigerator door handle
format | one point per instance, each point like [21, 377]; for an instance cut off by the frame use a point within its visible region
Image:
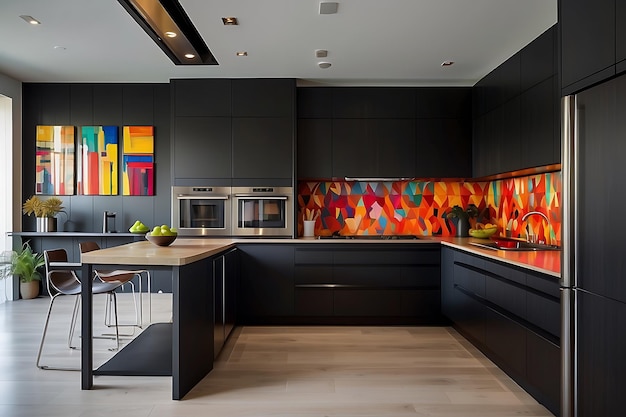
[569, 172]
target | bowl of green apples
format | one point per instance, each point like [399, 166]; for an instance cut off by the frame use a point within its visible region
[162, 235]
[139, 228]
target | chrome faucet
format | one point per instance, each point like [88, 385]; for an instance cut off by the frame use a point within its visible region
[530, 236]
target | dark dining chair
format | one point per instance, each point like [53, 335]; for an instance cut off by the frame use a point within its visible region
[65, 282]
[124, 276]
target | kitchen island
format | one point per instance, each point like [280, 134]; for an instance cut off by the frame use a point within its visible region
[189, 261]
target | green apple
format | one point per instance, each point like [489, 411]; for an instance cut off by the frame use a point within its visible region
[156, 231]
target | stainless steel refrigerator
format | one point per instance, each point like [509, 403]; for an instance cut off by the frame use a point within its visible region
[593, 338]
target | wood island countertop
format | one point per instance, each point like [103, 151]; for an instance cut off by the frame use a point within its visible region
[181, 252]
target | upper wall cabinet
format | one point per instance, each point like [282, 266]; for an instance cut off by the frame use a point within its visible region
[373, 103]
[201, 97]
[515, 110]
[588, 42]
[263, 97]
[233, 132]
[384, 132]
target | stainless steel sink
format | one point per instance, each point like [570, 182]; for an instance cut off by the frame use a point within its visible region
[518, 246]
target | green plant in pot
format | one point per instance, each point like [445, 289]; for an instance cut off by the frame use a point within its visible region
[45, 211]
[462, 217]
[25, 264]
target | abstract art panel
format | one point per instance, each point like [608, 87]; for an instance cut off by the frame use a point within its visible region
[55, 160]
[138, 160]
[98, 168]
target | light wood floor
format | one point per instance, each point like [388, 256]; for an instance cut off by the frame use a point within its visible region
[264, 371]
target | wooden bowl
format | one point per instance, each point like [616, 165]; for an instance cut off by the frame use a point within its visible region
[161, 240]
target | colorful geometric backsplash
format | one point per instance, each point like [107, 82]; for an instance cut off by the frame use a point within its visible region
[419, 208]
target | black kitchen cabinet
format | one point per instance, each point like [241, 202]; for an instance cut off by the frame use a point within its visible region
[516, 111]
[315, 103]
[263, 97]
[231, 289]
[510, 135]
[373, 103]
[443, 148]
[601, 342]
[263, 148]
[315, 144]
[204, 97]
[384, 132]
[373, 148]
[217, 275]
[266, 291]
[506, 340]
[233, 132]
[377, 284]
[202, 148]
[511, 314]
[225, 272]
[588, 42]
[543, 370]
[535, 63]
[620, 36]
[538, 121]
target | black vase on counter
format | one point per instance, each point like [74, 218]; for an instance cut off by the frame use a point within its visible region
[462, 227]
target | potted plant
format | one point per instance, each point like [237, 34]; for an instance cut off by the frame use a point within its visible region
[25, 264]
[45, 211]
[462, 217]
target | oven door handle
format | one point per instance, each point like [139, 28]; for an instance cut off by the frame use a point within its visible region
[262, 197]
[196, 197]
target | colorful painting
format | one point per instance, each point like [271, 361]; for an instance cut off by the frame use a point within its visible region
[138, 160]
[98, 168]
[419, 208]
[55, 160]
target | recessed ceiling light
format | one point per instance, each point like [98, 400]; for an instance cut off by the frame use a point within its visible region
[447, 63]
[30, 19]
[170, 34]
[321, 53]
[243, 53]
[324, 65]
[230, 21]
[60, 48]
[190, 56]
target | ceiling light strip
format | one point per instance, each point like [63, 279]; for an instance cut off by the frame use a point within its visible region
[161, 19]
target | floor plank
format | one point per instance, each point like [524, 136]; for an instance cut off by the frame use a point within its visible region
[263, 371]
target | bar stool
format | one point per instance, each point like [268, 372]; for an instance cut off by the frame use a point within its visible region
[65, 282]
[124, 276]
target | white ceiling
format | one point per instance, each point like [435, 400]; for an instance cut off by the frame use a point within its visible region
[370, 42]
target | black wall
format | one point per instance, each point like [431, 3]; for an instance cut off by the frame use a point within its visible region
[93, 105]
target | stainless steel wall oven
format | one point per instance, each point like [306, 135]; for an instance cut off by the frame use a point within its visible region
[201, 211]
[263, 211]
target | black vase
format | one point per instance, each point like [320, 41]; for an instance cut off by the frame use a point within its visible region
[462, 227]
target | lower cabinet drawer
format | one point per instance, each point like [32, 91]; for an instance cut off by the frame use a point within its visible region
[507, 340]
[313, 302]
[544, 370]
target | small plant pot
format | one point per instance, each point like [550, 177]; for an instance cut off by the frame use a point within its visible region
[29, 290]
[46, 224]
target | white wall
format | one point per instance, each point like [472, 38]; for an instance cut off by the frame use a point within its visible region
[11, 89]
